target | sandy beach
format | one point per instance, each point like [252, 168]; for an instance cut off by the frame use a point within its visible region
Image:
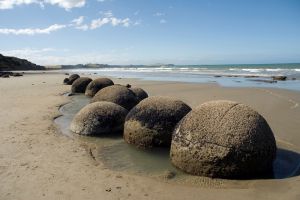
[38, 162]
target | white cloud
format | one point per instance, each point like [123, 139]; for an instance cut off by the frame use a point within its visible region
[83, 27]
[32, 31]
[77, 21]
[66, 4]
[163, 21]
[101, 1]
[110, 19]
[158, 14]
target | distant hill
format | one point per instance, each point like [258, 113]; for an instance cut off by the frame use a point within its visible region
[12, 63]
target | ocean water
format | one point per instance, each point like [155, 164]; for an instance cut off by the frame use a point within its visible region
[224, 75]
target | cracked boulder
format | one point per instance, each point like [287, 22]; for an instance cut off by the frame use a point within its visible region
[140, 93]
[80, 84]
[99, 119]
[223, 139]
[151, 122]
[118, 94]
[96, 85]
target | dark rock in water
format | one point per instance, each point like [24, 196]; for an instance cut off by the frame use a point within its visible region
[264, 81]
[128, 85]
[67, 74]
[17, 74]
[80, 84]
[223, 139]
[72, 78]
[97, 85]
[251, 76]
[279, 78]
[118, 94]
[140, 93]
[294, 78]
[151, 122]
[217, 76]
[66, 81]
[5, 75]
[99, 119]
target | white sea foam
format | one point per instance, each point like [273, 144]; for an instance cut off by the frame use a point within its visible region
[252, 70]
[274, 70]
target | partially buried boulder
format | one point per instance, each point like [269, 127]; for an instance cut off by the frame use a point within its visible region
[118, 94]
[151, 122]
[140, 93]
[223, 139]
[80, 84]
[72, 78]
[99, 119]
[97, 85]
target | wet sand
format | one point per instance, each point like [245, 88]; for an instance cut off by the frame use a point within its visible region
[38, 162]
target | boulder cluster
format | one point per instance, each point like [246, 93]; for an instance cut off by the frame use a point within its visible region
[222, 139]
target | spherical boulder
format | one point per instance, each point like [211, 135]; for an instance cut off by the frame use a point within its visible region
[118, 94]
[80, 84]
[151, 122]
[96, 85]
[99, 119]
[66, 81]
[223, 139]
[72, 78]
[140, 93]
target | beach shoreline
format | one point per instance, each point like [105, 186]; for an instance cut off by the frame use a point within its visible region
[35, 155]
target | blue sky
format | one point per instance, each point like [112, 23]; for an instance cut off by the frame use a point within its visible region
[151, 31]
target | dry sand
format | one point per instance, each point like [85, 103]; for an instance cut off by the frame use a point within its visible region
[37, 162]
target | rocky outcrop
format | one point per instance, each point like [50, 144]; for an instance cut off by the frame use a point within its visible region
[223, 139]
[13, 63]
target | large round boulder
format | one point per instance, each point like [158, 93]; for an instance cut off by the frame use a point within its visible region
[72, 78]
[151, 122]
[96, 85]
[118, 94]
[223, 139]
[80, 84]
[140, 93]
[99, 119]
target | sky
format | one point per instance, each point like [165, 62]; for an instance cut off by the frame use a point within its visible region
[53, 32]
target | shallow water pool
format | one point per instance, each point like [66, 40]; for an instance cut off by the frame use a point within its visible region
[117, 155]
